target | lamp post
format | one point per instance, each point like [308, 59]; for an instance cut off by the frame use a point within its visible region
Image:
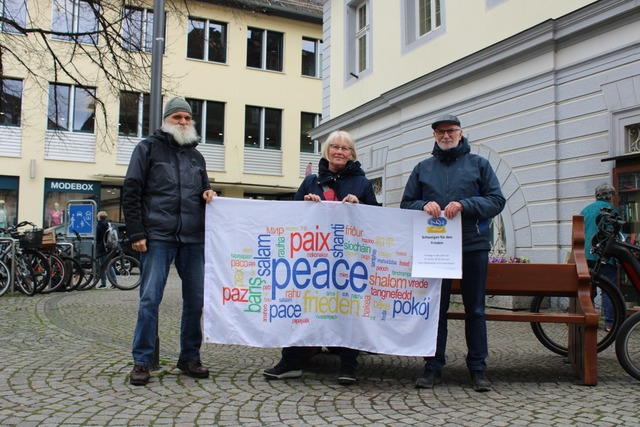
[157, 54]
[155, 113]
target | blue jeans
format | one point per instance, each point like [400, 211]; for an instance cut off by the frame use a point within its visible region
[609, 271]
[474, 279]
[111, 272]
[154, 266]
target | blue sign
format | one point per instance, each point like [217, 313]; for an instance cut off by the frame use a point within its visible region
[81, 219]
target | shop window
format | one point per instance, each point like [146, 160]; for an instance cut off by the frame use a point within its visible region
[8, 201]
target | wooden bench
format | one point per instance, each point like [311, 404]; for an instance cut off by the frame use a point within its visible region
[568, 280]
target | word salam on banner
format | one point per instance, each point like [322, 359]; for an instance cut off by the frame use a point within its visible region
[282, 273]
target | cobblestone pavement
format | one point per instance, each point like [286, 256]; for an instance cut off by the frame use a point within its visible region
[66, 360]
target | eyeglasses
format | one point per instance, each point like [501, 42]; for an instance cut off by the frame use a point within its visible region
[339, 148]
[441, 132]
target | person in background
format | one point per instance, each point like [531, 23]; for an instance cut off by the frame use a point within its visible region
[165, 192]
[455, 182]
[604, 194]
[101, 250]
[340, 178]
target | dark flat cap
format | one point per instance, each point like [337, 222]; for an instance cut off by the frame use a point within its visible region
[447, 118]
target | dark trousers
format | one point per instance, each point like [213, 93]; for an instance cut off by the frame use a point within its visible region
[474, 279]
[294, 357]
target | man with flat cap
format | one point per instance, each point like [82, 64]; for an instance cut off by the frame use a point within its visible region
[455, 182]
[164, 196]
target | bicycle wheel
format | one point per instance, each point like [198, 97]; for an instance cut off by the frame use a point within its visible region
[555, 336]
[40, 265]
[628, 345]
[75, 273]
[58, 277]
[5, 278]
[89, 270]
[25, 276]
[127, 272]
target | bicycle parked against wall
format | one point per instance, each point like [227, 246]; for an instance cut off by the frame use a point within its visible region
[607, 243]
[17, 255]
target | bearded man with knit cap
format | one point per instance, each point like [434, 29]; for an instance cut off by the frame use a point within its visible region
[164, 196]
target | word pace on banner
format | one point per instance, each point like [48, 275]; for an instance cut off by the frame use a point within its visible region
[282, 273]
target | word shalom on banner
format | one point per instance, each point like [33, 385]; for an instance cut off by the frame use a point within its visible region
[281, 273]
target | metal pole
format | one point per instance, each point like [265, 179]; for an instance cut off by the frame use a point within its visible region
[157, 54]
[155, 115]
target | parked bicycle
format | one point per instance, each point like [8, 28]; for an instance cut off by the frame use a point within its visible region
[608, 243]
[122, 270]
[31, 268]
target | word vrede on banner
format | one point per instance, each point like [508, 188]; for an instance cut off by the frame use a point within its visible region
[281, 273]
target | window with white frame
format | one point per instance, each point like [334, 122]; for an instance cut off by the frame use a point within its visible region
[71, 108]
[75, 20]
[13, 11]
[262, 128]
[307, 122]
[10, 102]
[428, 16]
[311, 57]
[137, 29]
[207, 40]
[134, 114]
[362, 36]
[209, 120]
[265, 49]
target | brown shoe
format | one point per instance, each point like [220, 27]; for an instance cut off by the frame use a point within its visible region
[139, 375]
[193, 368]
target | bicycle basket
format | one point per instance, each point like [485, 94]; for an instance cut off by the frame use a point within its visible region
[31, 239]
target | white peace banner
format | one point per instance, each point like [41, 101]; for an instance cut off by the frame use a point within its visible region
[333, 274]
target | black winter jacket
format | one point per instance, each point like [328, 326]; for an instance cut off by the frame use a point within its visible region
[162, 194]
[350, 180]
[457, 175]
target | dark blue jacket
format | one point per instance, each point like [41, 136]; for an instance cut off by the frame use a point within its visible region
[457, 175]
[350, 180]
[162, 194]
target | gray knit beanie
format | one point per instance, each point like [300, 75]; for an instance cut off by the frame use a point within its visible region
[174, 105]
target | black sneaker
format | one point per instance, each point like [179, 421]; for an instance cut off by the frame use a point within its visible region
[480, 381]
[281, 371]
[429, 379]
[347, 377]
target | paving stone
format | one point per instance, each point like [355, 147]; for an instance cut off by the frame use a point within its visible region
[67, 357]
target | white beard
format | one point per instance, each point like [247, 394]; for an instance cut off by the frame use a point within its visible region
[184, 135]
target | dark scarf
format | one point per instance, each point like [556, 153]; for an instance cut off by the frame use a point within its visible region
[451, 154]
[325, 176]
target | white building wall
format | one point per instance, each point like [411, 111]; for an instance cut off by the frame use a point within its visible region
[534, 105]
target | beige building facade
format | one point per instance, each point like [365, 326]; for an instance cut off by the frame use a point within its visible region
[252, 75]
